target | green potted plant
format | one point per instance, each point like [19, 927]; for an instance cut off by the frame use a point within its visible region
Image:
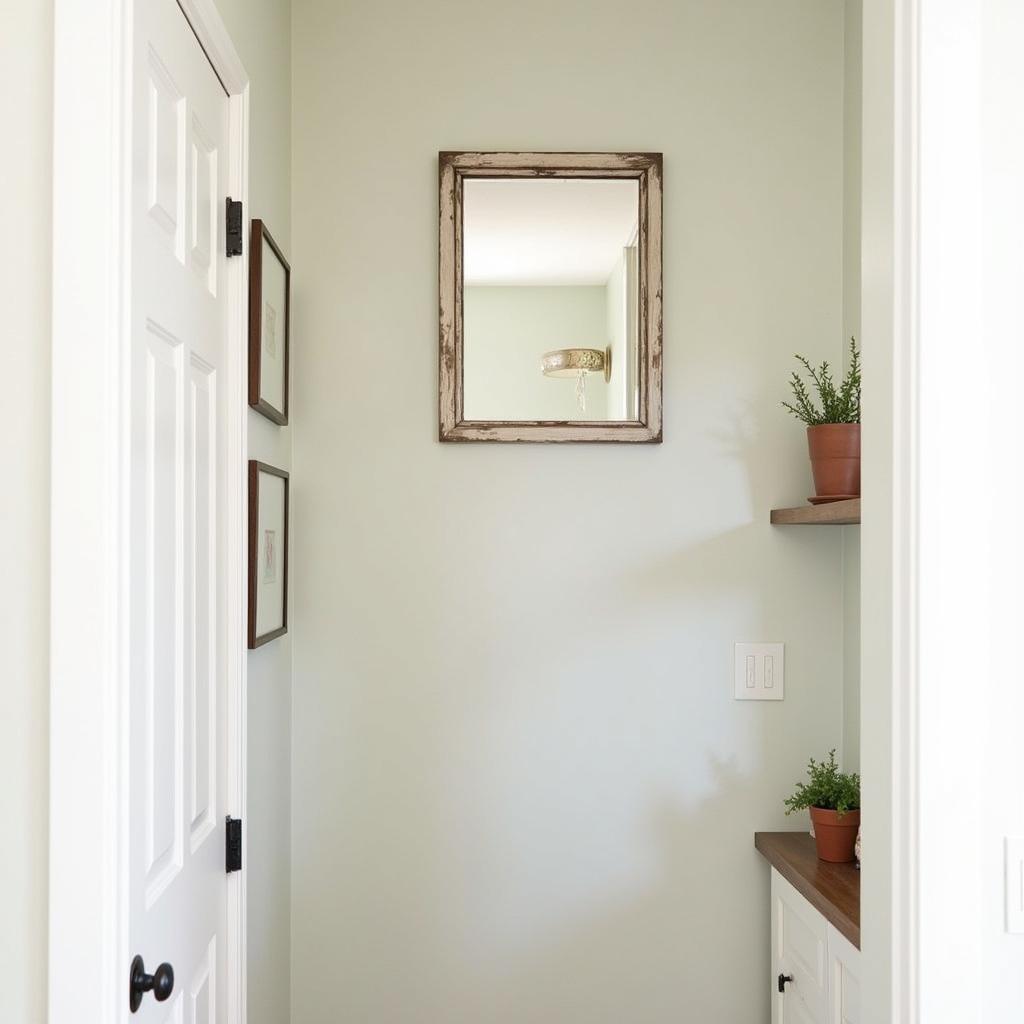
[833, 799]
[833, 426]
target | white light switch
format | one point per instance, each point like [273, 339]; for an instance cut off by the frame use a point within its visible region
[759, 671]
[1015, 884]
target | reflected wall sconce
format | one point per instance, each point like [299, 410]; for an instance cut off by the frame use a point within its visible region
[578, 362]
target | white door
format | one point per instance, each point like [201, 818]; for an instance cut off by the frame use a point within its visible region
[177, 546]
[799, 939]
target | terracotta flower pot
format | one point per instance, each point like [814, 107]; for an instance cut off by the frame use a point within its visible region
[835, 458]
[835, 836]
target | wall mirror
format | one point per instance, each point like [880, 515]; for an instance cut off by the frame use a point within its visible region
[550, 297]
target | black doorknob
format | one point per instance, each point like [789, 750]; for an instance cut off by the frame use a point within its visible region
[161, 983]
[783, 978]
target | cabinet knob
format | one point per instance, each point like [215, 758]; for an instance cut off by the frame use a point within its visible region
[783, 978]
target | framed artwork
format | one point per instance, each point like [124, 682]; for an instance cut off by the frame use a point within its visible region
[269, 315]
[268, 553]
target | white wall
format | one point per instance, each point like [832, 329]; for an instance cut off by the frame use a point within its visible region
[1002, 695]
[26, 58]
[508, 329]
[262, 34]
[970, 552]
[522, 789]
[261, 31]
[999, 769]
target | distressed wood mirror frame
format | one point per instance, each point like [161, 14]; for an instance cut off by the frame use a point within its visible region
[454, 168]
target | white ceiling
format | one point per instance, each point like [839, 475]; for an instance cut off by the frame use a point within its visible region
[546, 231]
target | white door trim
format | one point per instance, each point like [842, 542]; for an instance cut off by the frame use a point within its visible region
[906, 505]
[925, 592]
[88, 906]
[890, 750]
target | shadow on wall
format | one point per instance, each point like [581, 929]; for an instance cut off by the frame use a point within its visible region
[548, 815]
[525, 849]
[615, 965]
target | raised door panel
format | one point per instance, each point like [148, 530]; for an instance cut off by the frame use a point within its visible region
[799, 946]
[204, 208]
[203, 578]
[165, 153]
[794, 1011]
[202, 993]
[844, 979]
[161, 474]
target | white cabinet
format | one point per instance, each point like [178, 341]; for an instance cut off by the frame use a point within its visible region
[799, 957]
[843, 979]
[815, 969]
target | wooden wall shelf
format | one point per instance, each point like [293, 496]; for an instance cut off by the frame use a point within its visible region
[835, 513]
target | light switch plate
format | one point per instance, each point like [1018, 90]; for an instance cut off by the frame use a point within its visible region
[759, 672]
[1015, 884]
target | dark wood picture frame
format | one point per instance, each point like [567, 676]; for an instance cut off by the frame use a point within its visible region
[255, 468]
[646, 169]
[257, 235]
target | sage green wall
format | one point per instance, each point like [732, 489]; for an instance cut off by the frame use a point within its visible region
[522, 789]
[261, 31]
[508, 329]
[852, 60]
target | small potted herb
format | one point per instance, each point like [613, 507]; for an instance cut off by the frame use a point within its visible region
[833, 799]
[833, 426]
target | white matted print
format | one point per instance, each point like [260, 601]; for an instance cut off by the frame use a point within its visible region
[269, 316]
[270, 346]
[268, 553]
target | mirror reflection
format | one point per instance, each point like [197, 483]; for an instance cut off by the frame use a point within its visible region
[550, 303]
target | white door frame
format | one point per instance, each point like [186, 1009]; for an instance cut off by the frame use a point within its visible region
[924, 601]
[889, 534]
[88, 905]
[950, 897]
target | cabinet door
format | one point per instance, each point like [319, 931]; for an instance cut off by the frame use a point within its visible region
[843, 979]
[799, 945]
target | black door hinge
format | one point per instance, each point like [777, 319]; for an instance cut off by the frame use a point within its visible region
[234, 227]
[233, 845]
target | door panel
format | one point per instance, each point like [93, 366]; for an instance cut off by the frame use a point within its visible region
[799, 951]
[795, 1011]
[178, 888]
[203, 990]
[165, 148]
[204, 206]
[161, 623]
[844, 979]
[203, 517]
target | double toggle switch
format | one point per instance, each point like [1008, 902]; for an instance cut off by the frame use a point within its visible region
[760, 671]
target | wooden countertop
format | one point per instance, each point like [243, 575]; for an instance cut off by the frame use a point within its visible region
[833, 889]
